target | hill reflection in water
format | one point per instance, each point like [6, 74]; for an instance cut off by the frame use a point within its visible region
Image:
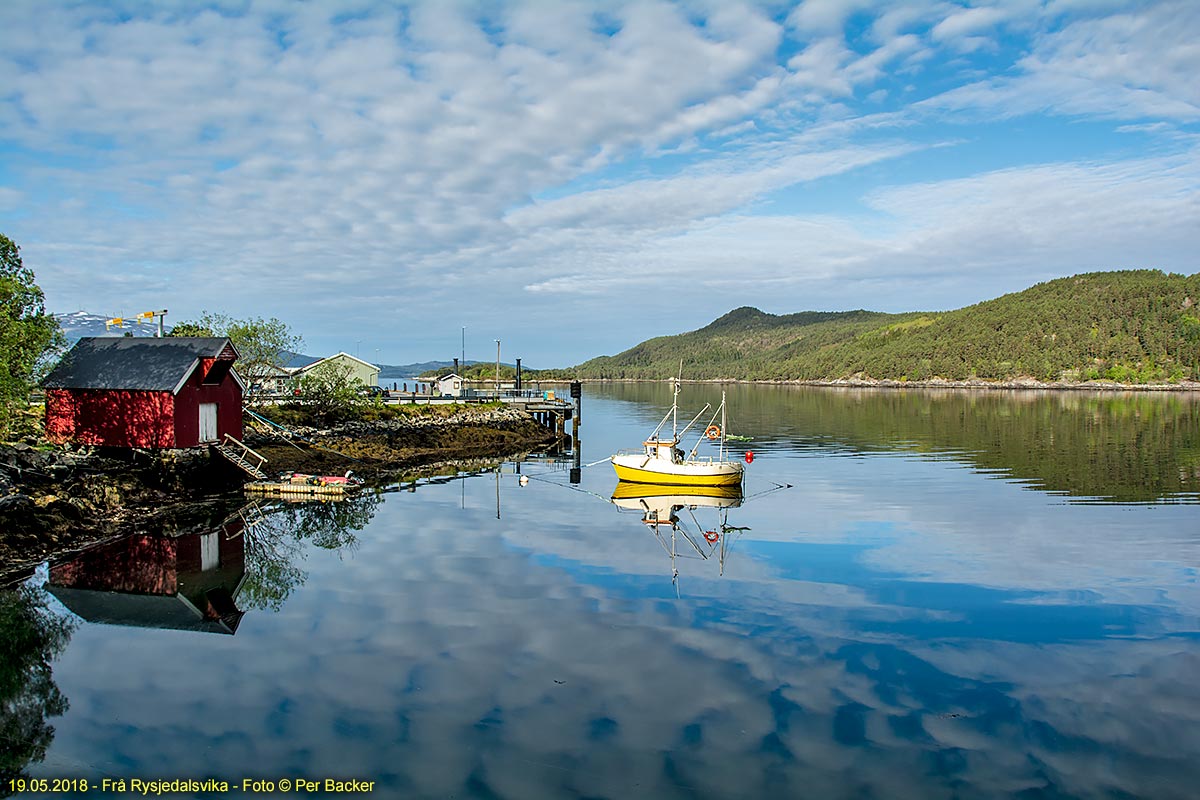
[1095, 446]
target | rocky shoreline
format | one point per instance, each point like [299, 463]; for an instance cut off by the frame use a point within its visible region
[55, 500]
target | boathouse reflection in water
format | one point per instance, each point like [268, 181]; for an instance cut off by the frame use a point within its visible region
[189, 582]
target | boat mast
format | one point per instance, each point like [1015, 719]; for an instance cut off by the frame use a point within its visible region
[723, 426]
[675, 405]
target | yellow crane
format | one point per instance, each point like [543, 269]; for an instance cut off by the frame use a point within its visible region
[145, 316]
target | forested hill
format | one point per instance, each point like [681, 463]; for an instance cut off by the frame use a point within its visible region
[1133, 326]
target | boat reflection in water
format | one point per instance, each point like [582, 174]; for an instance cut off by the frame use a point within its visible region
[188, 582]
[671, 513]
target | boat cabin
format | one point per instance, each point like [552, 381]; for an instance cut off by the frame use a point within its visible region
[666, 449]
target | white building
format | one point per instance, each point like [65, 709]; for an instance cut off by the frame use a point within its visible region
[450, 385]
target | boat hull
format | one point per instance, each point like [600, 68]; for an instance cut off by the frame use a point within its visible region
[639, 469]
[684, 494]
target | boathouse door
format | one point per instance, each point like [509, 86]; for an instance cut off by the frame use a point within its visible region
[208, 422]
[210, 551]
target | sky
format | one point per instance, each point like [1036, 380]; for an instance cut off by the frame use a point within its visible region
[573, 178]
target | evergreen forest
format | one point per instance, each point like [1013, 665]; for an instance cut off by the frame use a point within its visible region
[1132, 326]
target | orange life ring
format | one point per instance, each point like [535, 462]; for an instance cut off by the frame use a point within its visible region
[713, 432]
[711, 536]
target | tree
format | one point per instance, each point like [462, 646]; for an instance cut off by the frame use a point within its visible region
[29, 337]
[190, 329]
[329, 393]
[263, 345]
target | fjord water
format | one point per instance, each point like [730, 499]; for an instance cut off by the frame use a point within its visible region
[961, 594]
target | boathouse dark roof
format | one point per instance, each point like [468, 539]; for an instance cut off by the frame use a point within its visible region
[173, 612]
[129, 363]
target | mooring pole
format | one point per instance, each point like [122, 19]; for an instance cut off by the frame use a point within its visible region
[577, 396]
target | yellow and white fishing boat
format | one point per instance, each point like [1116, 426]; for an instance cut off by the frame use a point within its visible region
[661, 460]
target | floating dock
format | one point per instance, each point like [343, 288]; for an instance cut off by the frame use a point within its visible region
[288, 489]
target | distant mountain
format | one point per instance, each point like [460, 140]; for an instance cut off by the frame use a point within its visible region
[297, 360]
[424, 368]
[386, 371]
[77, 324]
[1131, 326]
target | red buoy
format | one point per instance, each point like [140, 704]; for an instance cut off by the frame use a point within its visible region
[749, 456]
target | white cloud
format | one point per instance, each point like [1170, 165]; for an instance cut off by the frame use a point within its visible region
[447, 156]
[825, 16]
[968, 21]
[1125, 66]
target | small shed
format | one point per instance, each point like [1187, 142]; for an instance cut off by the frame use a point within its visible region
[133, 392]
[450, 385]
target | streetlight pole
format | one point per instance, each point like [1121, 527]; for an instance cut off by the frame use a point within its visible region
[497, 369]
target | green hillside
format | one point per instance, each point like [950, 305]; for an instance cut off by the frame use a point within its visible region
[1134, 326]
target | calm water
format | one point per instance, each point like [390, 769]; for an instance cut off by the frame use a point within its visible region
[961, 595]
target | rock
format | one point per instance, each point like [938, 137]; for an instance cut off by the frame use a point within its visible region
[15, 502]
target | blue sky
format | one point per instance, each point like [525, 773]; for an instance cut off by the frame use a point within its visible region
[573, 178]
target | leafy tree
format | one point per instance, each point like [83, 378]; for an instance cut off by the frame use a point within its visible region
[191, 329]
[329, 393]
[263, 345]
[29, 337]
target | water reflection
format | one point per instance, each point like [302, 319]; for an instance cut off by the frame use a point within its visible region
[189, 582]
[278, 530]
[660, 508]
[894, 627]
[1095, 446]
[31, 638]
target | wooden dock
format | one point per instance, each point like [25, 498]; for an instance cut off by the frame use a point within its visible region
[287, 489]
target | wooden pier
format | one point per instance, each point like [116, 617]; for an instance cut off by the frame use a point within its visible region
[551, 412]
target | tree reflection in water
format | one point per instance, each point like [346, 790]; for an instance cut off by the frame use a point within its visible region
[30, 638]
[276, 534]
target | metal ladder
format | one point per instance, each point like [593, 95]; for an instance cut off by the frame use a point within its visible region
[237, 452]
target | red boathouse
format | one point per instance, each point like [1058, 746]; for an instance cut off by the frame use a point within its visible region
[130, 392]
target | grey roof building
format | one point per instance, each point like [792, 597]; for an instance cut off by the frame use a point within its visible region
[123, 362]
